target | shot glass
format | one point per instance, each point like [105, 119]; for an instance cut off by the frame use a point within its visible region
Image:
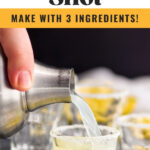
[106, 102]
[135, 131]
[35, 135]
[74, 137]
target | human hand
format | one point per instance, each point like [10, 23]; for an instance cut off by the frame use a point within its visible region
[17, 48]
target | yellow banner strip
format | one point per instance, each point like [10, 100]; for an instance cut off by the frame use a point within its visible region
[75, 18]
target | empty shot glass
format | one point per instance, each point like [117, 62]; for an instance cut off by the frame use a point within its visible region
[135, 131]
[74, 137]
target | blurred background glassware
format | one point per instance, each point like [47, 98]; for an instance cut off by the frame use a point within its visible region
[74, 137]
[135, 131]
[104, 77]
[35, 135]
[106, 103]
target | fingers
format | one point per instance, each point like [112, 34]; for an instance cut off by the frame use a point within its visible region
[18, 49]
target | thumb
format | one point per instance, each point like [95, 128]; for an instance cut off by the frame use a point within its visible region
[18, 49]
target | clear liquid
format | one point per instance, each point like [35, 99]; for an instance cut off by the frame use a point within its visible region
[88, 118]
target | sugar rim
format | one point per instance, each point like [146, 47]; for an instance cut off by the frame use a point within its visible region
[117, 94]
[124, 121]
[114, 135]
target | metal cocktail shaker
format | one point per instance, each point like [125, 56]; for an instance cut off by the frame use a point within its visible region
[50, 86]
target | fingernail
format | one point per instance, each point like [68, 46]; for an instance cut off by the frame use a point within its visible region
[24, 80]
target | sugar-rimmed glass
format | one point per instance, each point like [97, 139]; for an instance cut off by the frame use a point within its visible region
[106, 102]
[135, 131]
[74, 137]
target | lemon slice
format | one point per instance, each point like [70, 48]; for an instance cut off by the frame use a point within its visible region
[129, 105]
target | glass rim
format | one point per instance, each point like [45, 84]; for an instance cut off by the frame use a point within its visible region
[55, 131]
[118, 93]
[123, 121]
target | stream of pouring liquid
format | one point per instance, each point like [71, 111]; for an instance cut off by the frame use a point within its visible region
[87, 115]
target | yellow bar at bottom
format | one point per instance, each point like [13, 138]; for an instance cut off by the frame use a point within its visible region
[75, 18]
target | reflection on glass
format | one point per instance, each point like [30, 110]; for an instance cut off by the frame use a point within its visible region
[35, 135]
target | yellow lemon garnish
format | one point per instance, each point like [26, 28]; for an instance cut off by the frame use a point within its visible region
[129, 105]
[95, 90]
